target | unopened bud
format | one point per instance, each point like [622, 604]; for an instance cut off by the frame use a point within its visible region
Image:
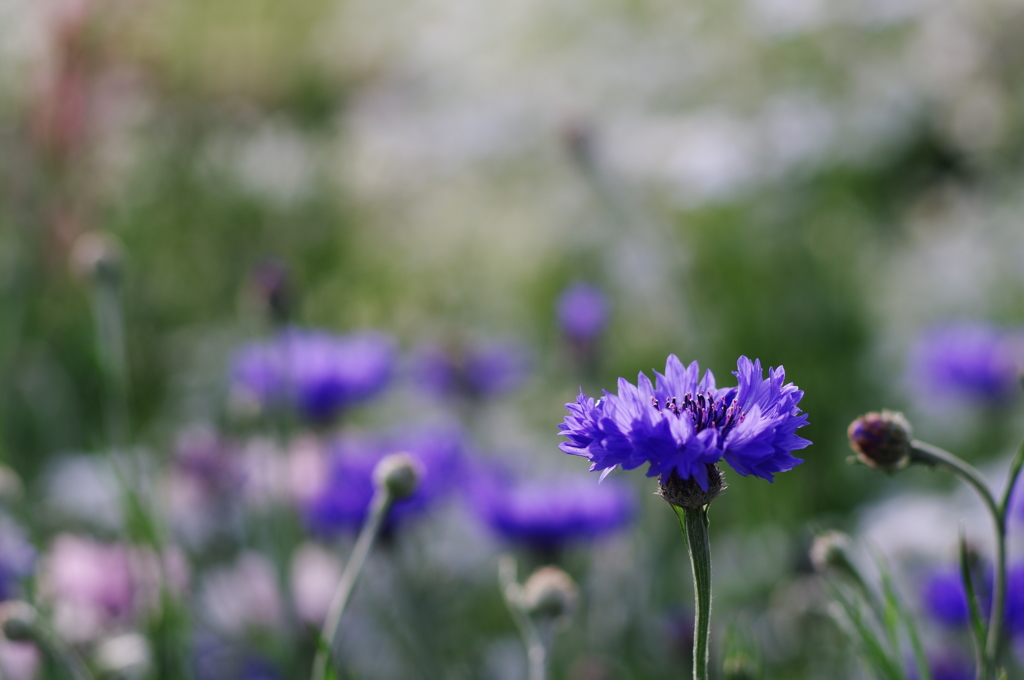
[550, 594]
[740, 666]
[686, 493]
[881, 440]
[829, 551]
[399, 473]
[97, 255]
[19, 621]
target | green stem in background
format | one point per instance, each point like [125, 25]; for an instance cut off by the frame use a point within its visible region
[922, 452]
[110, 349]
[367, 536]
[694, 522]
[537, 645]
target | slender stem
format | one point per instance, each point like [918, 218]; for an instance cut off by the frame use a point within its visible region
[536, 649]
[371, 528]
[922, 452]
[695, 527]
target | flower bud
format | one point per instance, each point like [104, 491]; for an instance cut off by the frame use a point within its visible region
[739, 665]
[829, 551]
[549, 594]
[881, 440]
[399, 473]
[19, 621]
[97, 255]
[686, 493]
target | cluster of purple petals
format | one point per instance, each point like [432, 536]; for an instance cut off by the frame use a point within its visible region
[551, 513]
[316, 372]
[683, 423]
[582, 311]
[344, 499]
[945, 599]
[17, 557]
[485, 370]
[967, 360]
[946, 666]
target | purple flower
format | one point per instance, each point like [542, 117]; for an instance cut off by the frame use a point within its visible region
[17, 557]
[969, 360]
[344, 497]
[547, 514]
[945, 599]
[582, 311]
[683, 424]
[946, 666]
[318, 373]
[485, 370]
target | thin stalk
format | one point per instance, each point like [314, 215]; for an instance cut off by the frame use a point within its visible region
[367, 536]
[694, 523]
[535, 643]
[922, 452]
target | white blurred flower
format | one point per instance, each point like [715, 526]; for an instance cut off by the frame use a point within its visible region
[314, 576]
[242, 596]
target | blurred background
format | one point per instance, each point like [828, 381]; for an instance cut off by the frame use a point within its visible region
[504, 202]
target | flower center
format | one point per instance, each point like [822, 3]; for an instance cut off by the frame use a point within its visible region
[704, 410]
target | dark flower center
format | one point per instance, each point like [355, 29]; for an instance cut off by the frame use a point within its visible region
[704, 410]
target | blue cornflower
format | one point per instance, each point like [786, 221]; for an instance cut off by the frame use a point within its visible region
[488, 369]
[17, 557]
[684, 424]
[316, 372]
[970, 360]
[945, 599]
[343, 499]
[550, 513]
[582, 311]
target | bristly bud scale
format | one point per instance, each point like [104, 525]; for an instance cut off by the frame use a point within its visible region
[399, 473]
[550, 594]
[881, 440]
[686, 493]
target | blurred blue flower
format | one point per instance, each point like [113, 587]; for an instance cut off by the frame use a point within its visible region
[318, 373]
[17, 557]
[946, 666]
[342, 501]
[582, 311]
[550, 513]
[683, 424]
[945, 599]
[485, 370]
[969, 360]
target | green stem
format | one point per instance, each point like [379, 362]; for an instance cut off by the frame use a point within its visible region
[695, 527]
[536, 649]
[922, 452]
[367, 536]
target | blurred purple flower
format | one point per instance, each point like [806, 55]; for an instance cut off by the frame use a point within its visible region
[318, 373]
[946, 666]
[945, 599]
[17, 557]
[969, 360]
[485, 370]
[582, 311]
[213, 462]
[683, 425]
[550, 513]
[343, 499]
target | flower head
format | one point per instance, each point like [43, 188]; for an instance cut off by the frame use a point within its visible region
[343, 499]
[582, 311]
[684, 423]
[967, 360]
[881, 440]
[550, 513]
[484, 370]
[317, 373]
